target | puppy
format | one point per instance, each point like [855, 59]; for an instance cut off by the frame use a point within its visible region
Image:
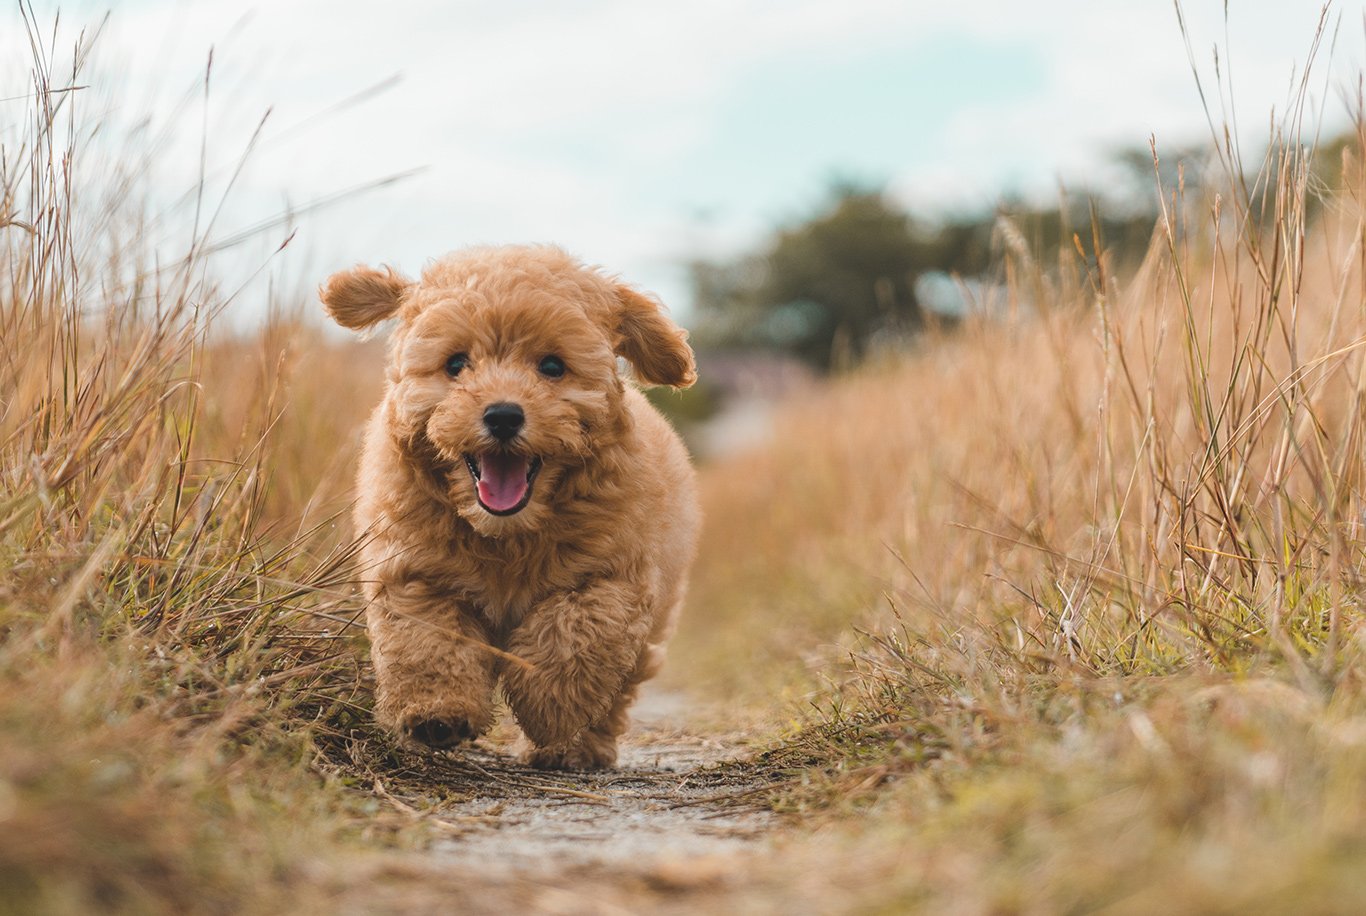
[530, 518]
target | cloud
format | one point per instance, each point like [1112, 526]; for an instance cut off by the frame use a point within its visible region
[584, 122]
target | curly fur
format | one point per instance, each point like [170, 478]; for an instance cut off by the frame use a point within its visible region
[569, 601]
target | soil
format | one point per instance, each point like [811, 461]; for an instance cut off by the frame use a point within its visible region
[673, 823]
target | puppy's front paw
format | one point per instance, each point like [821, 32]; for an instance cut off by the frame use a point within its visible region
[574, 756]
[438, 731]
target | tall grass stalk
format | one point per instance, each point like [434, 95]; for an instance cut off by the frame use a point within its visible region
[1105, 553]
[173, 638]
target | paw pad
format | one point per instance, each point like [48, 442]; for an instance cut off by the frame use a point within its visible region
[440, 732]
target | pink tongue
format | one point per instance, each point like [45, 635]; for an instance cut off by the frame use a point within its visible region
[502, 481]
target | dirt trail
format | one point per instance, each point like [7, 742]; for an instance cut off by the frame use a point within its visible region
[675, 819]
[671, 799]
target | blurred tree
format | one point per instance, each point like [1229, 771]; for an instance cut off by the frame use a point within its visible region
[829, 288]
[825, 287]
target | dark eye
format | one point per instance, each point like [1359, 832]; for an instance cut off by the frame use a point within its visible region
[550, 366]
[456, 362]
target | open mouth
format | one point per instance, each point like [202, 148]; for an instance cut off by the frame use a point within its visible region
[502, 482]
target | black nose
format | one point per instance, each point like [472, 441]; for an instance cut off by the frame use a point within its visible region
[504, 420]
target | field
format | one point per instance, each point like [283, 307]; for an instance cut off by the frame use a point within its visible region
[1060, 611]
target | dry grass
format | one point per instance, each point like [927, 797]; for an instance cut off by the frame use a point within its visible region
[1165, 471]
[1106, 548]
[174, 615]
[1103, 549]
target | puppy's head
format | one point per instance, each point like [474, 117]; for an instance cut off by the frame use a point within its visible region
[503, 371]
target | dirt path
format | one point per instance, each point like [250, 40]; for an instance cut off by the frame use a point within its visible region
[671, 800]
[674, 821]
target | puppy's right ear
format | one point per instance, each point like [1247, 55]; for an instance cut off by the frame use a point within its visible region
[362, 296]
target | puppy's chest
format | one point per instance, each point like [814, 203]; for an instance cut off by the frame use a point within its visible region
[505, 584]
[503, 610]
[503, 594]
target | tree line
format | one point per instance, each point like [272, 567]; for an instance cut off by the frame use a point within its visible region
[864, 271]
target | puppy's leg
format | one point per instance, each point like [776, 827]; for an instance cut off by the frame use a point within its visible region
[596, 746]
[434, 672]
[581, 650]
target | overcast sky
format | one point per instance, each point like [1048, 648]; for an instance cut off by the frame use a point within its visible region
[638, 134]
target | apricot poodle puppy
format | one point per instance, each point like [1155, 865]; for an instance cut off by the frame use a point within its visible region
[530, 518]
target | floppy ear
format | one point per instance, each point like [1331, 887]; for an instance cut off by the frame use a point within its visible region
[654, 346]
[362, 296]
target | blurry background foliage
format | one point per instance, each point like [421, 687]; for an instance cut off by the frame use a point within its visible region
[862, 274]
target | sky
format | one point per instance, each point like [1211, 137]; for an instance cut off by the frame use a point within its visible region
[642, 134]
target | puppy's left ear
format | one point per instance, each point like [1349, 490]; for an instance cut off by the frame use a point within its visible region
[654, 346]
